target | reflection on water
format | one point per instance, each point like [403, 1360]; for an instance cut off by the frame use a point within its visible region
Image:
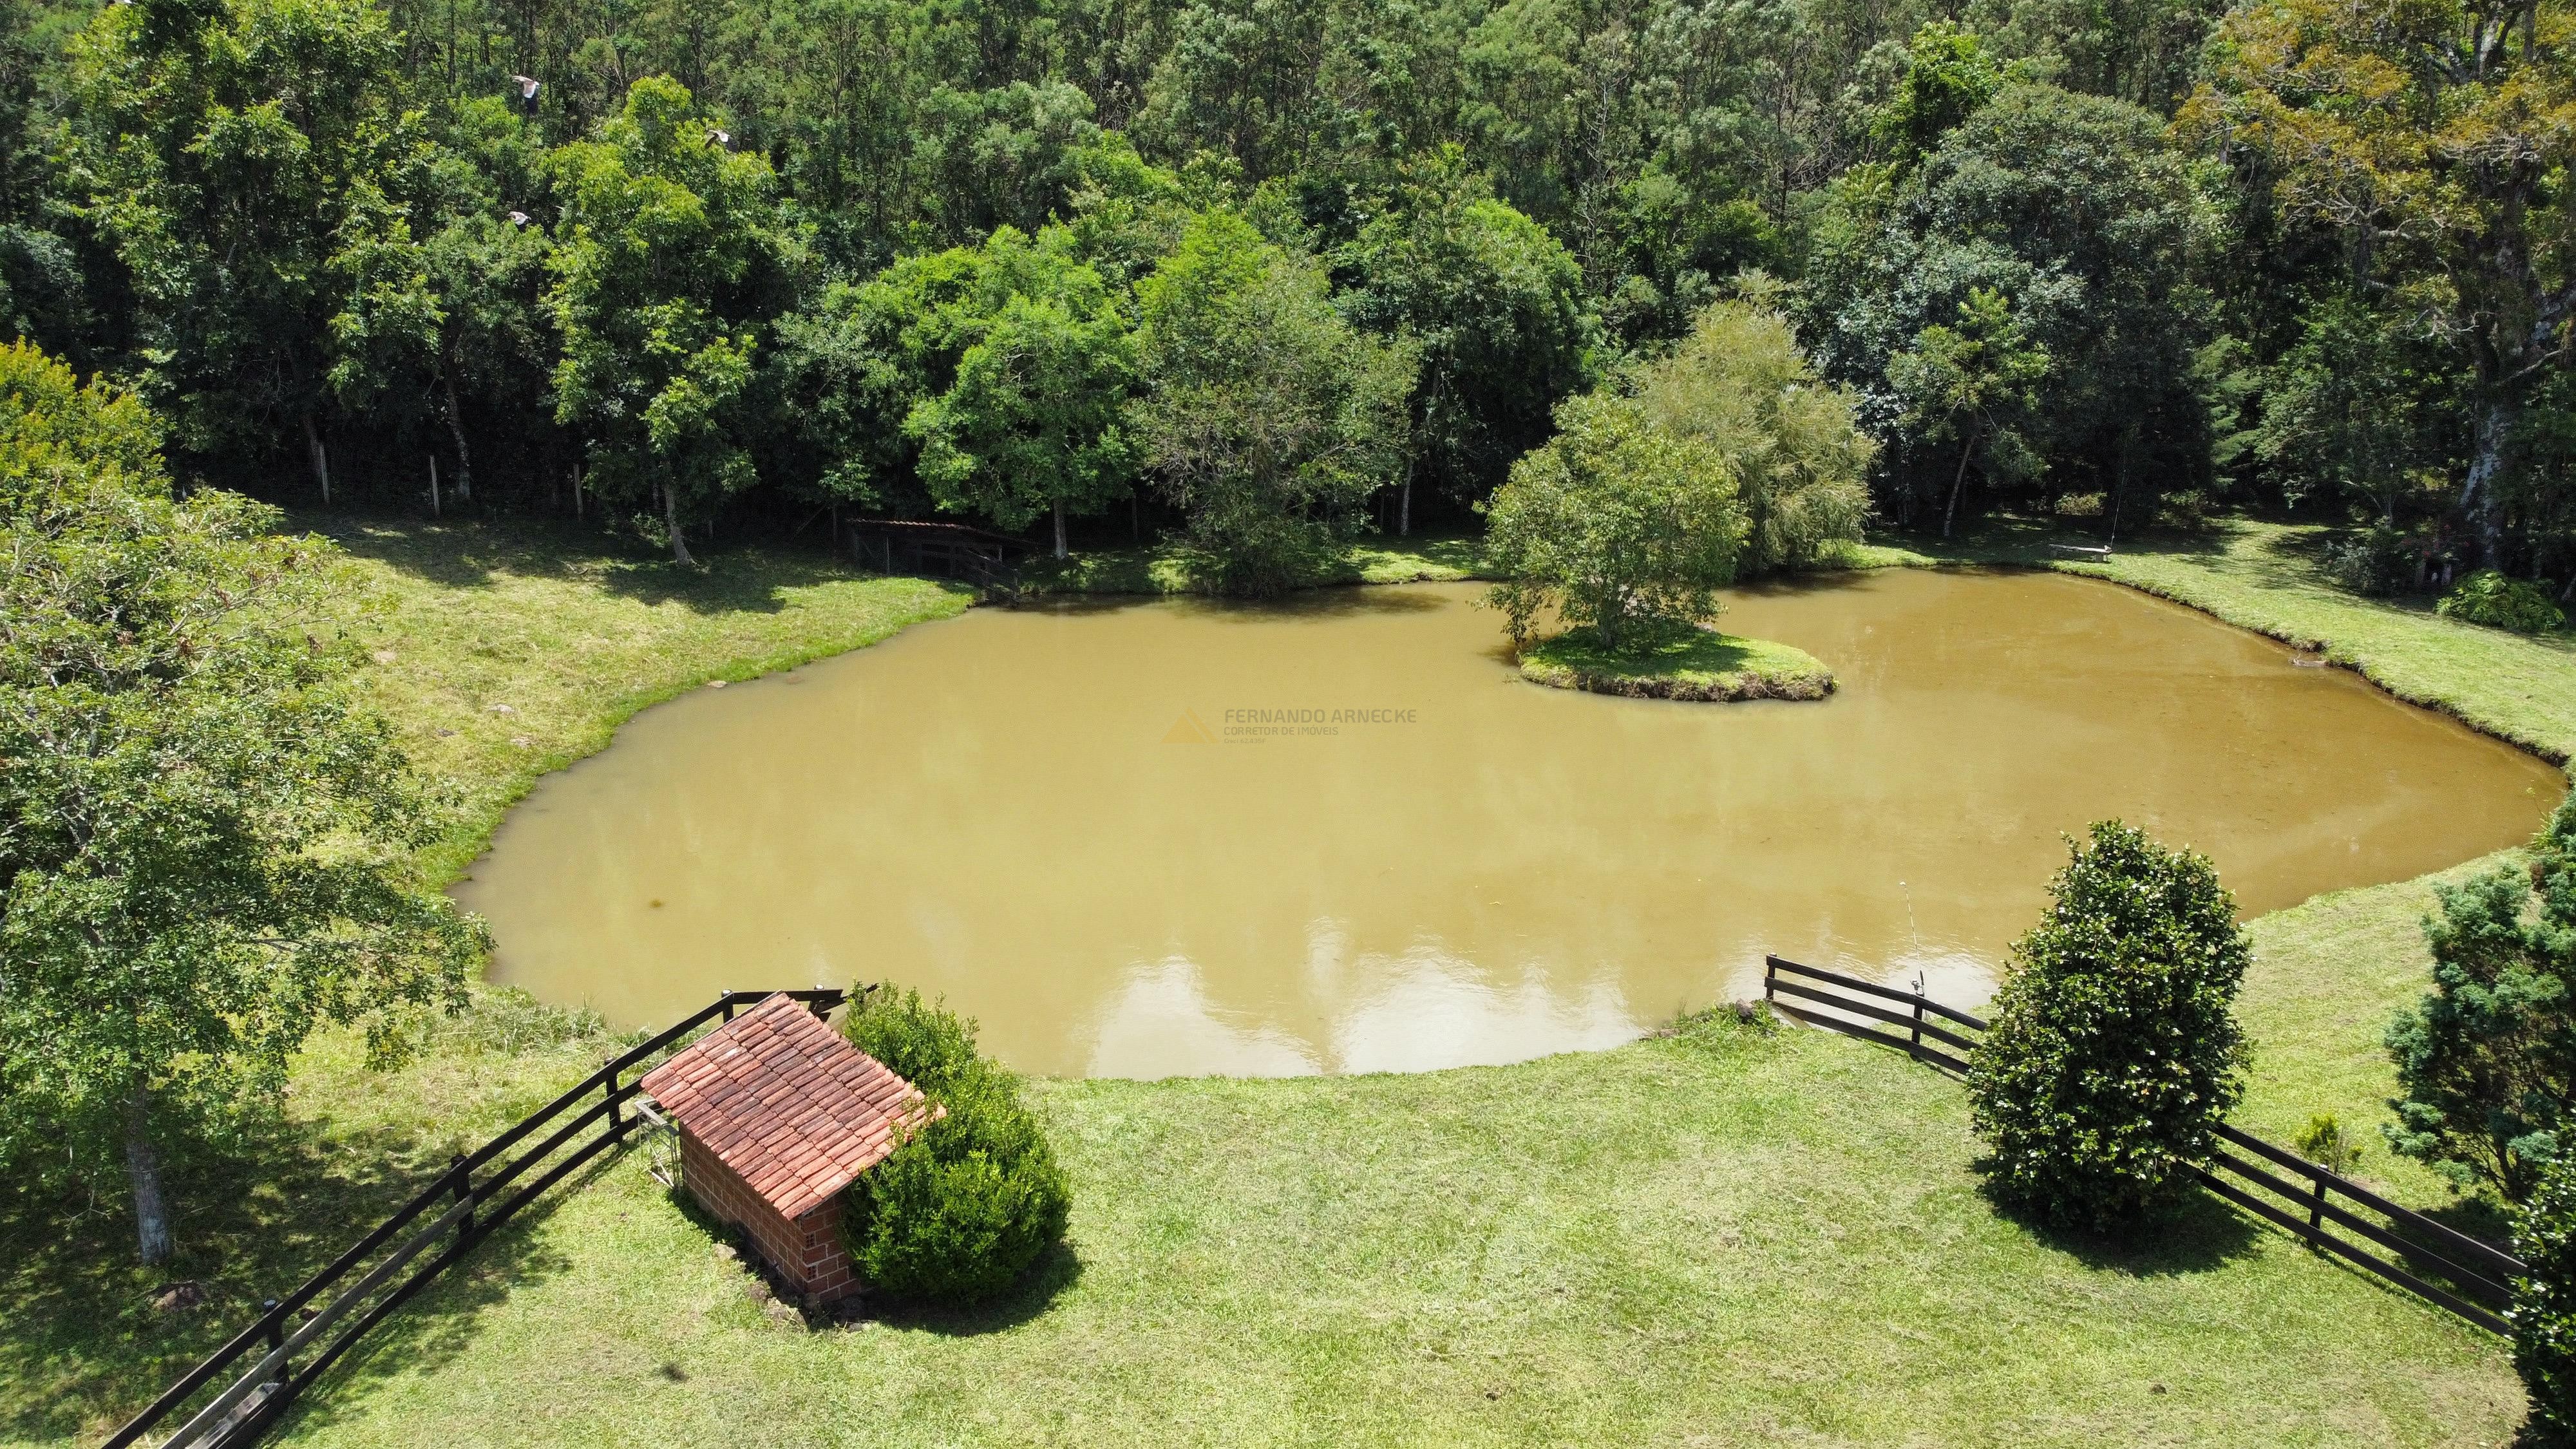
[1342, 835]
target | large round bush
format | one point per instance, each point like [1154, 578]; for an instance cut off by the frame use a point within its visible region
[966, 1204]
[2544, 1302]
[2114, 1050]
[970, 1198]
[2489, 598]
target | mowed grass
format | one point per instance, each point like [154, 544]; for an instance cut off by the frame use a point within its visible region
[505, 651]
[1774, 1241]
[1716, 1239]
[1697, 664]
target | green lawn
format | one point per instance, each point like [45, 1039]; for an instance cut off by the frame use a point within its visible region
[1173, 568]
[1699, 665]
[1702, 1239]
[1718, 1239]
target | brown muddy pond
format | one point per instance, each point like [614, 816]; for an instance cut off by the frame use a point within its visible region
[1062, 820]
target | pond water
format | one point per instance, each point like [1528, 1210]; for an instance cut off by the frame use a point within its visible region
[1075, 824]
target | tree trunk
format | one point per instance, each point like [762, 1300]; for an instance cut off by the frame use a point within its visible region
[434, 510]
[1059, 530]
[1404, 504]
[671, 521]
[321, 457]
[143, 1172]
[1958, 481]
[464, 455]
[2478, 503]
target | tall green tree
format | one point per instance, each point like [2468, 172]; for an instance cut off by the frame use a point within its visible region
[670, 258]
[2430, 145]
[203, 832]
[1495, 308]
[1267, 418]
[2068, 208]
[1800, 461]
[1626, 529]
[1974, 387]
[254, 166]
[1031, 422]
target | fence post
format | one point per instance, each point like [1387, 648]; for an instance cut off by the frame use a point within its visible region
[2317, 1202]
[276, 1336]
[463, 1187]
[1770, 973]
[728, 1005]
[616, 1121]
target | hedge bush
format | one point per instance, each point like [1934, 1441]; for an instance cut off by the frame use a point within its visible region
[2114, 1049]
[970, 1199]
[2543, 1314]
[2489, 598]
[922, 1042]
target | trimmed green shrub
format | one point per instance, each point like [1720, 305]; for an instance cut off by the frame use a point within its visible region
[2114, 1049]
[962, 1208]
[2543, 1314]
[2489, 598]
[922, 1042]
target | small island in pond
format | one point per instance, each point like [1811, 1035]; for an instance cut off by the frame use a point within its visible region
[1695, 664]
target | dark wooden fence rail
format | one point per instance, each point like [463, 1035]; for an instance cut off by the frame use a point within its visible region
[292, 1343]
[2466, 1275]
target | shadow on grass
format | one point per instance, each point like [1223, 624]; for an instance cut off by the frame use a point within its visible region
[472, 555]
[82, 1346]
[2200, 1235]
[438, 1327]
[1056, 1270]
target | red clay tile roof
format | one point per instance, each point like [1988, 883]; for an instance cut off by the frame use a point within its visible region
[781, 1099]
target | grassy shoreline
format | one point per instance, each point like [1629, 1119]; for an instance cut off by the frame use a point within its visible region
[1703, 666]
[1778, 1235]
[2263, 576]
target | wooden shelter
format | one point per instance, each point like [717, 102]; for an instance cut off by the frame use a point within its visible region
[777, 1115]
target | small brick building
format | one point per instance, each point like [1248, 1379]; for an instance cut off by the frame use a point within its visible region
[776, 1115]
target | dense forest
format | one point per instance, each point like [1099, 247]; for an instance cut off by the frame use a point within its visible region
[688, 266]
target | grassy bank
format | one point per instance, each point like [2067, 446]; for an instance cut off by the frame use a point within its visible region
[2264, 576]
[1713, 1237]
[1700, 665]
[504, 652]
[1174, 568]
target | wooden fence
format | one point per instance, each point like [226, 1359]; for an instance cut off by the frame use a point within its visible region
[293, 1342]
[2469, 1276]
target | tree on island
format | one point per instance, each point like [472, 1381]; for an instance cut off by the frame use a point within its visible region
[1801, 462]
[203, 833]
[1625, 529]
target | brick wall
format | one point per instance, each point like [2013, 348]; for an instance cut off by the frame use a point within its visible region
[806, 1251]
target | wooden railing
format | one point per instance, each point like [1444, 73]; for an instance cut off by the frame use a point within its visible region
[2469, 1276]
[292, 1343]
